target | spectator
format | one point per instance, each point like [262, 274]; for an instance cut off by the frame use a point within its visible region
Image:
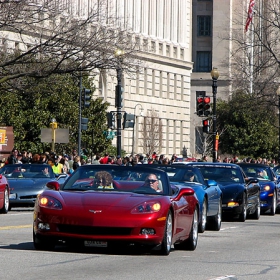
[19, 158]
[104, 160]
[57, 167]
[12, 159]
[76, 162]
[96, 160]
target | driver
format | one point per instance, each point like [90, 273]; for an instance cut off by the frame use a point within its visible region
[151, 181]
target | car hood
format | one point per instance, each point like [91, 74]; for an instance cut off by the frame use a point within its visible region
[105, 199]
[231, 190]
[18, 184]
[265, 183]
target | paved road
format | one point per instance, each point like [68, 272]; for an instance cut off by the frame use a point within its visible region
[247, 250]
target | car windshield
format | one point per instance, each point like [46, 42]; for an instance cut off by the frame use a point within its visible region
[221, 173]
[258, 172]
[118, 178]
[27, 171]
[182, 173]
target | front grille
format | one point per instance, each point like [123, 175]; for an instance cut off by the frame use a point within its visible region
[88, 230]
[33, 197]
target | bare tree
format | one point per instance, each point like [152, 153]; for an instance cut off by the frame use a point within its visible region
[40, 38]
[259, 48]
[152, 133]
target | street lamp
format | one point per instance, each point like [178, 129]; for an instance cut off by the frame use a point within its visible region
[53, 126]
[118, 104]
[141, 108]
[215, 75]
[278, 93]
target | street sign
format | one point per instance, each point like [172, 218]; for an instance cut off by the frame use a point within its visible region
[109, 134]
[61, 135]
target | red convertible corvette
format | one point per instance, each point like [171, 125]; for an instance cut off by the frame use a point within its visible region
[4, 194]
[108, 205]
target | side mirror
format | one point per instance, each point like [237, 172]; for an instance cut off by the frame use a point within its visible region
[184, 192]
[212, 183]
[251, 181]
[53, 185]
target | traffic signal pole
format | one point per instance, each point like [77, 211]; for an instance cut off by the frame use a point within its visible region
[215, 76]
[80, 115]
[119, 109]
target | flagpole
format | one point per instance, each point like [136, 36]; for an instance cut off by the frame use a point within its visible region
[252, 59]
[251, 46]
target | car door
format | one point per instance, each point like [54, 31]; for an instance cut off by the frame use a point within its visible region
[253, 191]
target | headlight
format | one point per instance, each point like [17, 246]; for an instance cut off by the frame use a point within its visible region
[146, 207]
[266, 188]
[49, 202]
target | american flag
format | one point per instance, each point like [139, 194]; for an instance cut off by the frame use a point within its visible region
[250, 14]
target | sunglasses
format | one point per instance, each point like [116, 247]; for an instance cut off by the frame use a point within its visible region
[151, 181]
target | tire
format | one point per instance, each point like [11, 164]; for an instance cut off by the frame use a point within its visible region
[217, 220]
[168, 233]
[256, 215]
[43, 243]
[243, 214]
[191, 242]
[203, 222]
[6, 205]
[273, 206]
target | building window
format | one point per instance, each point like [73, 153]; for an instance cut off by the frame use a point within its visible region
[204, 26]
[203, 61]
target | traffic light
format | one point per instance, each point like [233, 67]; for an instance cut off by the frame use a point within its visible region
[206, 126]
[203, 108]
[199, 106]
[119, 96]
[86, 97]
[84, 123]
[206, 106]
[128, 120]
[111, 121]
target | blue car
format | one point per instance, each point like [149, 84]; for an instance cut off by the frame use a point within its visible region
[270, 189]
[208, 193]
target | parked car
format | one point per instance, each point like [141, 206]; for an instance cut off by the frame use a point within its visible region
[208, 193]
[270, 188]
[26, 181]
[241, 196]
[4, 194]
[108, 205]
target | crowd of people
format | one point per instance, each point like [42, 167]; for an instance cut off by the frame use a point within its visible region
[69, 163]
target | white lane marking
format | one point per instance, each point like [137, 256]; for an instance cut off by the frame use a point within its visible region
[228, 228]
[224, 277]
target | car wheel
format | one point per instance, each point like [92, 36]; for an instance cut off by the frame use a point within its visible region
[202, 224]
[42, 243]
[167, 239]
[217, 220]
[191, 242]
[257, 213]
[6, 204]
[243, 214]
[273, 206]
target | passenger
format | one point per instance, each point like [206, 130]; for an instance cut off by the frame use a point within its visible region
[103, 180]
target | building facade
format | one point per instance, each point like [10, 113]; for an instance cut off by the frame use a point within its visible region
[163, 86]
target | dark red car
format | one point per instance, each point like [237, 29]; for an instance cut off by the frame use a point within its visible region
[4, 194]
[109, 205]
